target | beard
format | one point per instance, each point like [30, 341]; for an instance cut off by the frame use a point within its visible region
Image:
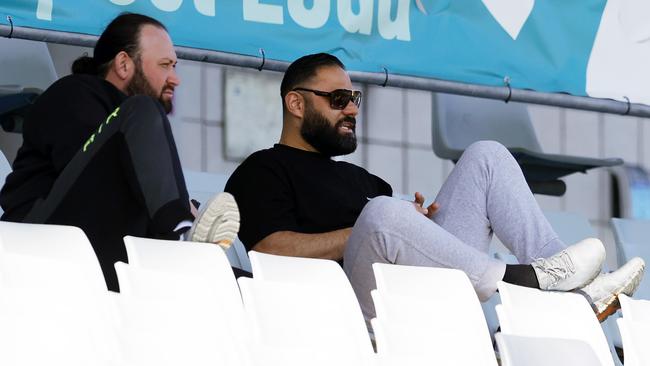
[139, 85]
[324, 137]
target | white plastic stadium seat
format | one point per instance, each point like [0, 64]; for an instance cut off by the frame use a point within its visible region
[300, 270]
[534, 351]
[634, 328]
[429, 314]
[635, 310]
[54, 306]
[635, 341]
[324, 274]
[171, 318]
[631, 236]
[197, 259]
[549, 314]
[297, 324]
[65, 245]
[305, 271]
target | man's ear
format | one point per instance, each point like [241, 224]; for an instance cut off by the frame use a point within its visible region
[295, 104]
[123, 65]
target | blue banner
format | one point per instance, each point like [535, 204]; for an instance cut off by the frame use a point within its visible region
[540, 45]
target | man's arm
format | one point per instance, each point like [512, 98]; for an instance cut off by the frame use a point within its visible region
[329, 245]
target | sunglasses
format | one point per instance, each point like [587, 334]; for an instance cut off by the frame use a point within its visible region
[339, 98]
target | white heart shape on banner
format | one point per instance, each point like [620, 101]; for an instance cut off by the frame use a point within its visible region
[510, 14]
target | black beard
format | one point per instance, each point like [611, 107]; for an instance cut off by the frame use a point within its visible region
[140, 86]
[324, 137]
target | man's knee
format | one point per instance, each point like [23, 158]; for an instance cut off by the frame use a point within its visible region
[487, 153]
[380, 212]
[487, 148]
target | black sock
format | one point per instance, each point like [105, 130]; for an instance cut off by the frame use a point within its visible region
[521, 274]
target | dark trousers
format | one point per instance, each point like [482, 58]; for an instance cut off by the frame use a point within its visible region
[125, 180]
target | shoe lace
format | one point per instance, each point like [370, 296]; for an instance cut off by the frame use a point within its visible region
[558, 267]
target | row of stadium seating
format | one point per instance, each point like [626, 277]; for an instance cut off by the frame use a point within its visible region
[180, 304]
[630, 238]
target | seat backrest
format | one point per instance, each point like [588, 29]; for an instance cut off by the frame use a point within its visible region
[56, 326]
[300, 320]
[28, 65]
[181, 315]
[536, 351]
[207, 261]
[534, 313]
[321, 273]
[631, 231]
[634, 309]
[175, 255]
[635, 341]
[631, 237]
[278, 268]
[24, 246]
[570, 227]
[53, 298]
[439, 328]
[458, 121]
[426, 310]
[202, 185]
[423, 281]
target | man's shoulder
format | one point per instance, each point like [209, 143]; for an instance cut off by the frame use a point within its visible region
[78, 81]
[351, 167]
[259, 167]
[364, 175]
[258, 161]
[268, 156]
[83, 88]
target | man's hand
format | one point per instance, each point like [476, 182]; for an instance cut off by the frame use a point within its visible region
[428, 211]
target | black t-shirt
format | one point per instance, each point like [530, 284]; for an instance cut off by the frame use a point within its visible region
[288, 189]
[56, 127]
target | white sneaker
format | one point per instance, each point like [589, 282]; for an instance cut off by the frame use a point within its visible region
[217, 222]
[603, 292]
[571, 268]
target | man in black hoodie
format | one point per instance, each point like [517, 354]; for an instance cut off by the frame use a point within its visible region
[98, 150]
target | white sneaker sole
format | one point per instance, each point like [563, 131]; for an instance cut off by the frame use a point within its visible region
[217, 222]
[610, 305]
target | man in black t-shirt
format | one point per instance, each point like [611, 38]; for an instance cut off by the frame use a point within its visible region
[98, 151]
[296, 201]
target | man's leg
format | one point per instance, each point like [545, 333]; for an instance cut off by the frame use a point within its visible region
[486, 192]
[389, 231]
[498, 199]
[393, 231]
[126, 180]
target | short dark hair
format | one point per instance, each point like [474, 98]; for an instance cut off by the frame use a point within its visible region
[121, 34]
[305, 68]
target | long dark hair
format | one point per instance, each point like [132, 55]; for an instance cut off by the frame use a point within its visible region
[122, 34]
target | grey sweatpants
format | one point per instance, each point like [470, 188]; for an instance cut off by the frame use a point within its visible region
[485, 193]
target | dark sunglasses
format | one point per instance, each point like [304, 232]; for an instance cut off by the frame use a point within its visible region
[339, 98]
